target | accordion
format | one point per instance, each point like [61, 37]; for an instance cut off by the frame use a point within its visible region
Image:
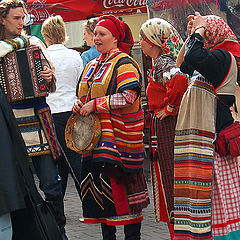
[20, 74]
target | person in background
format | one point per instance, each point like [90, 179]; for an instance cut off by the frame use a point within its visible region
[207, 195]
[167, 84]
[68, 68]
[92, 53]
[113, 187]
[33, 115]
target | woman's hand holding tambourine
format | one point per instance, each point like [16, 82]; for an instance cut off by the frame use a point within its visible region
[77, 106]
[87, 108]
[83, 109]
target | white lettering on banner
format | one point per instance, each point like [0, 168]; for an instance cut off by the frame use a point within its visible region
[38, 9]
[122, 3]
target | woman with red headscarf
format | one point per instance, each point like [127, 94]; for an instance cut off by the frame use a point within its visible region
[113, 187]
[207, 184]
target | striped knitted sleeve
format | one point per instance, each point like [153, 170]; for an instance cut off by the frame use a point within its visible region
[11, 45]
[128, 76]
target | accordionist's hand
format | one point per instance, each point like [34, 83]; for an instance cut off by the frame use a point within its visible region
[47, 74]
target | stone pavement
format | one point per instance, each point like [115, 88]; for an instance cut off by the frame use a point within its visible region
[77, 230]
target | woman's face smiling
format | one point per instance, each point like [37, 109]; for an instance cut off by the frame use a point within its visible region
[104, 40]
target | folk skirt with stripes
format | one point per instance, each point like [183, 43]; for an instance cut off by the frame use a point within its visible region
[193, 163]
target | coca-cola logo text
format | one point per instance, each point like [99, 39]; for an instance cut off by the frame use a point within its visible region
[122, 3]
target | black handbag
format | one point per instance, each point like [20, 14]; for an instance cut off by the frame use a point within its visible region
[35, 222]
[44, 219]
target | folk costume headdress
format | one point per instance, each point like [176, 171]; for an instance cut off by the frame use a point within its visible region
[120, 30]
[157, 31]
[218, 35]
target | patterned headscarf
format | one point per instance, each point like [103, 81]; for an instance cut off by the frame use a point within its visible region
[120, 30]
[219, 35]
[161, 33]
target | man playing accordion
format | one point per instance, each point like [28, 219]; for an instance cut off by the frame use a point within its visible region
[33, 114]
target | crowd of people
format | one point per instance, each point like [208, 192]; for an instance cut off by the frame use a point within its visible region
[190, 93]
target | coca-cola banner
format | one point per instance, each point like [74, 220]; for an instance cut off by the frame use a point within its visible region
[73, 10]
[120, 7]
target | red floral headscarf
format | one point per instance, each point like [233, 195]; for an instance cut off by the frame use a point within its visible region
[219, 35]
[120, 31]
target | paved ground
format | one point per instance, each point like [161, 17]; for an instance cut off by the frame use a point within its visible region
[77, 230]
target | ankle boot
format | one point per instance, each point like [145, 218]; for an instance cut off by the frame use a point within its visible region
[57, 207]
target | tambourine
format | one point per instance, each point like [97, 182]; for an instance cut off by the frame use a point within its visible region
[82, 133]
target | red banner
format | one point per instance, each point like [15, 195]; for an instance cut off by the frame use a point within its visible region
[70, 10]
[73, 10]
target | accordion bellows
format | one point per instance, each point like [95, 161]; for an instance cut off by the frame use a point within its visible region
[20, 74]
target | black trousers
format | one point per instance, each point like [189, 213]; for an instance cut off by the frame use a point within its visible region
[131, 231]
[60, 121]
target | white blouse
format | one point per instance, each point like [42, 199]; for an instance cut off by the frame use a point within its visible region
[68, 68]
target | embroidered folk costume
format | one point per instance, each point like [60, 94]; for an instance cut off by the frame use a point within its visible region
[207, 195]
[33, 116]
[164, 92]
[113, 187]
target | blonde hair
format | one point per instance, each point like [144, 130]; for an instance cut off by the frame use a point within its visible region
[5, 6]
[90, 24]
[54, 30]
